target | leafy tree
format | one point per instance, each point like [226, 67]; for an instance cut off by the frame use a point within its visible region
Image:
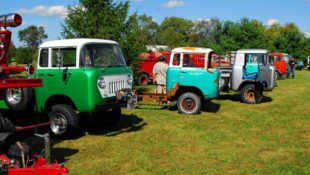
[132, 42]
[96, 19]
[23, 55]
[12, 51]
[147, 29]
[33, 36]
[175, 32]
[291, 40]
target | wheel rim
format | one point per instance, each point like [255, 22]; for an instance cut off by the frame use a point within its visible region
[250, 95]
[59, 124]
[14, 95]
[221, 82]
[188, 104]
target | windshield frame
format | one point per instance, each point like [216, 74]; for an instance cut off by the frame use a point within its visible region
[119, 58]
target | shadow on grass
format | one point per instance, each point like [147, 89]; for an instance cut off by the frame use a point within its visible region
[127, 123]
[236, 98]
[209, 106]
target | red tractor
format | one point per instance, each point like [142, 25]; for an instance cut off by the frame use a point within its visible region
[16, 91]
[280, 60]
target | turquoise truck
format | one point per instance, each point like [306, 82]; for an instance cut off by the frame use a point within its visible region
[189, 86]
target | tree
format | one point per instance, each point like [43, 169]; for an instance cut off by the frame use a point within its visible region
[96, 19]
[23, 55]
[12, 51]
[33, 36]
[147, 29]
[175, 32]
[132, 43]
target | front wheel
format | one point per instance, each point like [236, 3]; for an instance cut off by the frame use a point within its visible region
[63, 120]
[189, 103]
[251, 94]
[278, 76]
[223, 83]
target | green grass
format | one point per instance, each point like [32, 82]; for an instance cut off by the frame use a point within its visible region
[228, 137]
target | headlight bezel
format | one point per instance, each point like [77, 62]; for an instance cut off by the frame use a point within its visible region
[101, 83]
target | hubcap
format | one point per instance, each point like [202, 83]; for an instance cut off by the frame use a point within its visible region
[58, 124]
[188, 104]
[250, 95]
[14, 95]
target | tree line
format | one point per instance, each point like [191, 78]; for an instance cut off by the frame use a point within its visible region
[109, 20]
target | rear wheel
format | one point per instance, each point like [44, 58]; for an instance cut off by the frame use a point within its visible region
[63, 121]
[143, 80]
[189, 103]
[19, 98]
[251, 94]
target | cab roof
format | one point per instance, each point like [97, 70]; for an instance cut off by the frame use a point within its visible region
[74, 42]
[191, 50]
[252, 51]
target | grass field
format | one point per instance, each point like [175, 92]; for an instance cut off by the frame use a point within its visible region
[228, 137]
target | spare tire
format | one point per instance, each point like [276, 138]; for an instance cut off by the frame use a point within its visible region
[19, 98]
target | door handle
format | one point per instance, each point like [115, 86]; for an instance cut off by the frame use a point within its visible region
[51, 75]
[183, 71]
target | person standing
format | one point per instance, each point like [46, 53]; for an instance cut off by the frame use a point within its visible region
[160, 74]
[291, 68]
[188, 62]
[300, 64]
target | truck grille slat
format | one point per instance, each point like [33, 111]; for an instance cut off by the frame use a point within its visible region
[116, 86]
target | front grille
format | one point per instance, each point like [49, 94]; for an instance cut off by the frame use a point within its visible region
[116, 86]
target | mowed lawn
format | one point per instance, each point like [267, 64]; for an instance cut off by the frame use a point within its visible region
[228, 137]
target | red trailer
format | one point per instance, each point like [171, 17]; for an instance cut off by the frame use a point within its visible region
[280, 60]
[12, 88]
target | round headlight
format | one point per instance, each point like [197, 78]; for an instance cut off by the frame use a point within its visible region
[129, 79]
[101, 82]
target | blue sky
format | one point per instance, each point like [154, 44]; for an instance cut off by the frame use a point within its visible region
[50, 13]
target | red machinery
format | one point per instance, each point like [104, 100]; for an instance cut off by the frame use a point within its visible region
[280, 60]
[40, 165]
[12, 20]
[148, 60]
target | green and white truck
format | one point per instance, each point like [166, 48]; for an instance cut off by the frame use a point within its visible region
[81, 77]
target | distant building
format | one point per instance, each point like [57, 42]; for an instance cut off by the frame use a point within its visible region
[157, 48]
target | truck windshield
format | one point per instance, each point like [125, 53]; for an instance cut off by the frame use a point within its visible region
[101, 55]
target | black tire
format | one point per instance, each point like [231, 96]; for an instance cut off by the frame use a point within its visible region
[223, 83]
[189, 103]
[64, 122]
[108, 118]
[19, 98]
[143, 79]
[278, 75]
[251, 94]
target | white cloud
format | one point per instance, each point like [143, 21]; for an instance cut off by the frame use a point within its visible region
[271, 22]
[174, 3]
[59, 10]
